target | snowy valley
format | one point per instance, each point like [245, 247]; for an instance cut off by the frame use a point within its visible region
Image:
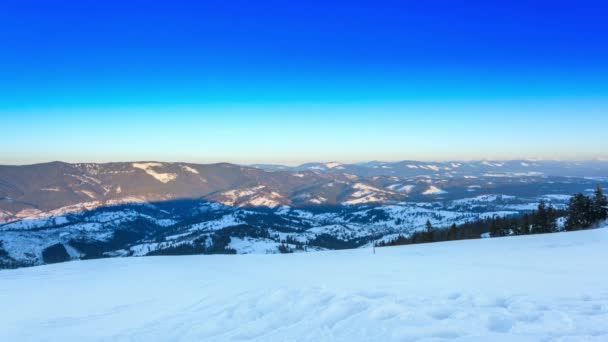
[59, 212]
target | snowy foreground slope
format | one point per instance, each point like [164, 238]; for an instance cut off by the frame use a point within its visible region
[551, 287]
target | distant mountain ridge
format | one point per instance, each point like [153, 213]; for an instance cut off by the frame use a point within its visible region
[32, 190]
[412, 168]
[59, 211]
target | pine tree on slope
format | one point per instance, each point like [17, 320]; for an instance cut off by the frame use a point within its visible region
[580, 213]
[453, 232]
[600, 204]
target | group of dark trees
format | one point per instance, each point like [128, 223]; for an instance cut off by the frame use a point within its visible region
[583, 212]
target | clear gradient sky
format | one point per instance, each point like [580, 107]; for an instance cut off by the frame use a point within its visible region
[296, 81]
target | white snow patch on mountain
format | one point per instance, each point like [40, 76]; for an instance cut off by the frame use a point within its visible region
[35, 223]
[365, 199]
[227, 220]
[332, 165]
[365, 194]
[556, 197]
[401, 188]
[54, 189]
[27, 213]
[231, 197]
[127, 199]
[514, 174]
[433, 190]
[500, 213]
[351, 176]
[483, 198]
[88, 193]
[189, 169]
[318, 200]
[524, 206]
[364, 190]
[149, 169]
[270, 200]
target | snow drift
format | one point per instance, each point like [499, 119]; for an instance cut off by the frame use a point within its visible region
[529, 288]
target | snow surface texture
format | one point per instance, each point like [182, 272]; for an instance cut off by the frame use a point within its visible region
[550, 287]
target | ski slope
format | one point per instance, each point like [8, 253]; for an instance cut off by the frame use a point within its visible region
[551, 287]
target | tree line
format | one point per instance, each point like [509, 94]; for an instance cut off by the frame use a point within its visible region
[583, 212]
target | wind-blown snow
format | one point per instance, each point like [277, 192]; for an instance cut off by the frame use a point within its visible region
[549, 287]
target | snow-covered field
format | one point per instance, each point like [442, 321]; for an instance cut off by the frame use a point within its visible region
[551, 287]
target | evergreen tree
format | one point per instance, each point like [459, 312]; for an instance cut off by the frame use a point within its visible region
[540, 218]
[550, 225]
[428, 236]
[580, 213]
[524, 227]
[283, 248]
[429, 226]
[452, 232]
[494, 228]
[600, 204]
[544, 219]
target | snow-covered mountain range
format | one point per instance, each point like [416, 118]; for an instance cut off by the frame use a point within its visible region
[60, 211]
[411, 168]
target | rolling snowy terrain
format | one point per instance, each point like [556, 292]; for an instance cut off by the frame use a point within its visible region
[550, 287]
[58, 211]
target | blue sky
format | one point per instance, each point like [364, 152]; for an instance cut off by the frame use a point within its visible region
[297, 81]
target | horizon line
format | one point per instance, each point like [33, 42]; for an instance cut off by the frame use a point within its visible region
[597, 159]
